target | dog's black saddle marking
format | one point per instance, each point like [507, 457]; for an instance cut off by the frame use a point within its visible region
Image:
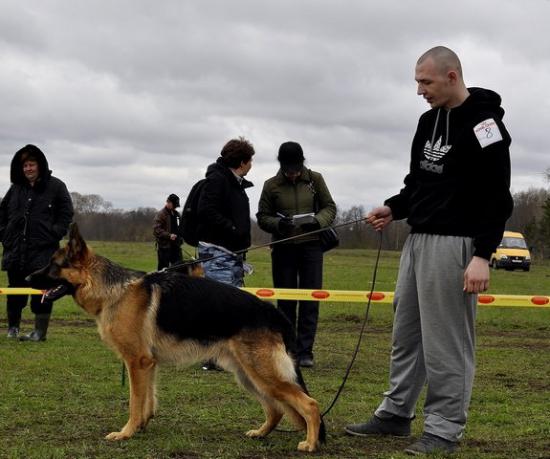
[206, 310]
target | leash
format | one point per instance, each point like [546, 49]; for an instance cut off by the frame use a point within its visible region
[359, 340]
[361, 333]
[182, 264]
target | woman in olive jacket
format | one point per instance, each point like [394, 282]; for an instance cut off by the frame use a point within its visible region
[34, 216]
[297, 263]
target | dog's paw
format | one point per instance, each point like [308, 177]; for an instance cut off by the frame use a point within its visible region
[255, 433]
[307, 447]
[116, 436]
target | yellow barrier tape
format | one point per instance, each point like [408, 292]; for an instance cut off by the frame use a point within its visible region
[349, 296]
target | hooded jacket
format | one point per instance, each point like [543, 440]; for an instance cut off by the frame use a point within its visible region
[459, 177]
[33, 219]
[223, 209]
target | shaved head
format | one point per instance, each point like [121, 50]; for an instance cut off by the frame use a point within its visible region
[444, 58]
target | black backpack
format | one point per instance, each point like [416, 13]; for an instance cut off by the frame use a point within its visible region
[189, 215]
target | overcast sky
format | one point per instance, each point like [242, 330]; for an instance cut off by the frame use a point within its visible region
[132, 99]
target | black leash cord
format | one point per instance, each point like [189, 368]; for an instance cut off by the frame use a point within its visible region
[182, 264]
[358, 345]
[361, 333]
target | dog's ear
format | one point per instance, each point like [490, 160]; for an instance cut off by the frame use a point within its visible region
[77, 249]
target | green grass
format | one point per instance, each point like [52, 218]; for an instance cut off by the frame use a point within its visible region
[60, 398]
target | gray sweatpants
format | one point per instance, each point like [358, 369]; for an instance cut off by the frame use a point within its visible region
[433, 335]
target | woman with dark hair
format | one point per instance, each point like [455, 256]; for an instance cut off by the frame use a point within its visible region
[224, 213]
[294, 202]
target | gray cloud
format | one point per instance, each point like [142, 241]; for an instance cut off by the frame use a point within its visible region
[133, 99]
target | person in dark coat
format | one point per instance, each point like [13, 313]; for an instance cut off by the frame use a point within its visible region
[224, 216]
[35, 214]
[224, 213]
[166, 232]
[297, 263]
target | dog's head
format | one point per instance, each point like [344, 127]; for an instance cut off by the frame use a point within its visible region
[65, 271]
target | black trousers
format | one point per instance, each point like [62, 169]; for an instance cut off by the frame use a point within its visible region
[299, 266]
[169, 256]
[16, 303]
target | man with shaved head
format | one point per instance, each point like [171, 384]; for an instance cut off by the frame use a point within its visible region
[456, 199]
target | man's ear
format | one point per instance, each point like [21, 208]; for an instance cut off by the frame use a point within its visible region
[78, 250]
[453, 77]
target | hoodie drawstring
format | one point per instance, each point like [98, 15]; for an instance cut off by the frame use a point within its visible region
[447, 134]
[433, 134]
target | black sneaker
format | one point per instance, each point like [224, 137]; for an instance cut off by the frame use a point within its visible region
[35, 336]
[13, 332]
[305, 362]
[429, 443]
[395, 425]
[211, 366]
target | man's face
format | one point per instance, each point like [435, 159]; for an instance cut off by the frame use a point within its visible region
[169, 205]
[245, 167]
[433, 84]
[31, 170]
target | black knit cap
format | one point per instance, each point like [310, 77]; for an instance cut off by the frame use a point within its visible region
[291, 157]
[174, 199]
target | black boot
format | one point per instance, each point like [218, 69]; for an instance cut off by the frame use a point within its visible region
[41, 322]
[14, 320]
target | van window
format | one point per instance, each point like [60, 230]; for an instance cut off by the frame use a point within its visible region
[513, 243]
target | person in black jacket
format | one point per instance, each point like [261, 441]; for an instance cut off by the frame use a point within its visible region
[457, 200]
[224, 216]
[34, 216]
[224, 213]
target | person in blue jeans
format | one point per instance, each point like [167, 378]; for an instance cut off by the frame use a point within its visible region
[223, 214]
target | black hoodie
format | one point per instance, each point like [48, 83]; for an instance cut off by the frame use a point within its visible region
[33, 219]
[459, 177]
[224, 209]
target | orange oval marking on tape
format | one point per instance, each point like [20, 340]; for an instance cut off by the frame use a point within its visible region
[321, 294]
[485, 299]
[265, 292]
[540, 300]
[376, 296]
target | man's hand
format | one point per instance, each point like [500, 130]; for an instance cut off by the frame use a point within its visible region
[476, 276]
[173, 237]
[380, 217]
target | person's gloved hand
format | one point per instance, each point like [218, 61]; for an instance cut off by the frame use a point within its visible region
[285, 224]
[307, 227]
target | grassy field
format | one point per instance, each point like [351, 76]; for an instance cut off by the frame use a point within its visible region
[60, 398]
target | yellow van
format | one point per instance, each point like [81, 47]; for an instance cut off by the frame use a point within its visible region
[512, 253]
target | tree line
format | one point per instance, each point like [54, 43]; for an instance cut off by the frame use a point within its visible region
[99, 220]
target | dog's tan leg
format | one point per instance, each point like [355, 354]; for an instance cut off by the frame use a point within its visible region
[306, 407]
[138, 369]
[273, 416]
[297, 421]
[271, 373]
[150, 405]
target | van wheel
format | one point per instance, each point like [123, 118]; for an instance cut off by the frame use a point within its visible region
[527, 269]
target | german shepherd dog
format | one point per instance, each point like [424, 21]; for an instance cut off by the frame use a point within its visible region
[166, 316]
